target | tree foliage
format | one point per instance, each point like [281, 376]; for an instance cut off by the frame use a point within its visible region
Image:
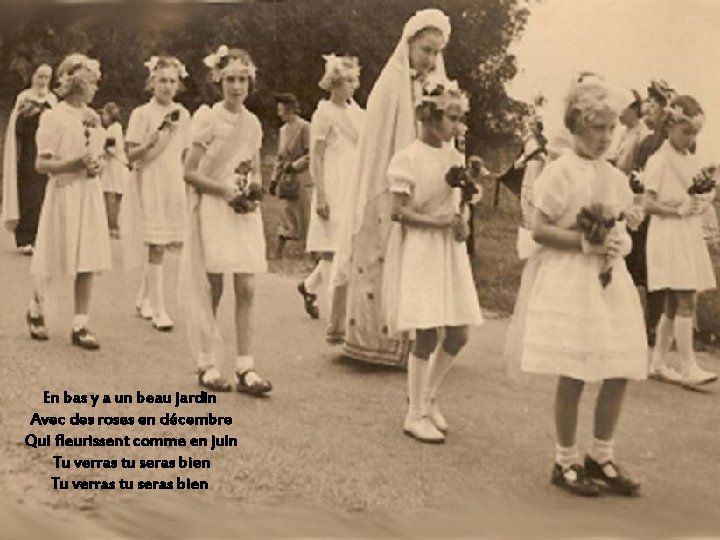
[286, 39]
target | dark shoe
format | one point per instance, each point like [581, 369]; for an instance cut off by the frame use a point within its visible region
[218, 385]
[36, 325]
[84, 339]
[256, 389]
[609, 474]
[574, 480]
[309, 299]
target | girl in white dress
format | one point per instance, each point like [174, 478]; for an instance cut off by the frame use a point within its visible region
[73, 235]
[566, 322]
[335, 131]
[157, 137]
[678, 260]
[114, 174]
[225, 139]
[427, 284]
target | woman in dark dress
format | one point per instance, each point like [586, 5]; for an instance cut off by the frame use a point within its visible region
[23, 186]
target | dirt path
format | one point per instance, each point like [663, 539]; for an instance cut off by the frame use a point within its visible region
[327, 443]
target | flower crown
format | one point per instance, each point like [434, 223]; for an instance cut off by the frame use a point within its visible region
[678, 115]
[77, 62]
[152, 65]
[443, 93]
[218, 62]
[339, 67]
[660, 88]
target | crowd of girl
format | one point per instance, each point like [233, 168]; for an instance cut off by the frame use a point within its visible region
[387, 226]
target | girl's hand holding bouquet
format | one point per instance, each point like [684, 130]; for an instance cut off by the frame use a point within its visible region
[247, 194]
[602, 237]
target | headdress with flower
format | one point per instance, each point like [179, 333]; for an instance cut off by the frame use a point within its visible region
[660, 90]
[338, 68]
[443, 93]
[589, 95]
[76, 66]
[221, 60]
[677, 114]
[156, 61]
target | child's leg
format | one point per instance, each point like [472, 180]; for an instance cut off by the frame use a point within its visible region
[142, 302]
[210, 375]
[455, 339]
[417, 424]
[599, 463]
[248, 379]
[567, 398]
[108, 207]
[216, 290]
[114, 211]
[83, 290]
[692, 373]
[156, 286]
[659, 366]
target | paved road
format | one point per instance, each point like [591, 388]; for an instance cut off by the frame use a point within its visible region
[327, 444]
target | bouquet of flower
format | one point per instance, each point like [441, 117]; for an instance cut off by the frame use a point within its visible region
[704, 181]
[636, 185]
[251, 193]
[170, 118]
[458, 177]
[596, 222]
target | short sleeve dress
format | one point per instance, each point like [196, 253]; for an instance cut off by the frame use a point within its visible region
[571, 325]
[73, 233]
[677, 255]
[427, 279]
[340, 129]
[232, 243]
[115, 173]
[162, 185]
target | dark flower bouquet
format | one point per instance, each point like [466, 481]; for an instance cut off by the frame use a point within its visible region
[91, 120]
[704, 181]
[596, 222]
[110, 145]
[458, 177]
[170, 118]
[251, 193]
[637, 187]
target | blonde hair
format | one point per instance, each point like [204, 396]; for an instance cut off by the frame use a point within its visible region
[76, 71]
[338, 69]
[162, 62]
[587, 98]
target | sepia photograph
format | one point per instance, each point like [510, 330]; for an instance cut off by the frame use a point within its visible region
[359, 269]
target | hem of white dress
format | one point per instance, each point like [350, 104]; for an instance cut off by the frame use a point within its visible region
[409, 327]
[572, 374]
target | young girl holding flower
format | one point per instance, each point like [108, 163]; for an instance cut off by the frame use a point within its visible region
[114, 175]
[158, 135]
[225, 232]
[678, 261]
[428, 287]
[72, 235]
[578, 314]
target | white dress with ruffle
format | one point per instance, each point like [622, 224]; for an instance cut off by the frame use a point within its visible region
[565, 322]
[232, 243]
[427, 279]
[162, 184]
[340, 129]
[73, 233]
[677, 255]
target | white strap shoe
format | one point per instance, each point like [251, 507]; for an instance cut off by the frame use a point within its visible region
[695, 376]
[665, 373]
[436, 417]
[162, 322]
[422, 429]
[144, 309]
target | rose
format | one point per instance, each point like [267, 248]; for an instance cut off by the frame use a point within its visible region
[457, 177]
[596, 222]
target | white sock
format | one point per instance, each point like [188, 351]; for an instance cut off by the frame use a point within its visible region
[663, 340]
[35, 308]
[142, 291]
[601, 451]
[566, 456]
[205, 360]
[245, 363]
[314, 280]
[440, 365]
[157, 288]
[684, 340]
[79, 321]
[417, 371]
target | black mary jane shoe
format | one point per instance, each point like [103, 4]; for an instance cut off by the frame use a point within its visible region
[36, 325]
[256, 389]
[84, 339]
[573, 479]
[617, 482]
[217, 385]
[309, 299]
